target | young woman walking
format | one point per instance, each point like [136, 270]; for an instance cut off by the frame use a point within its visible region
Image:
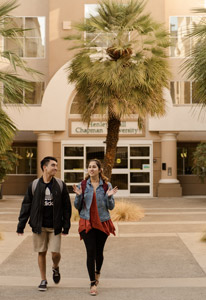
[94, 199]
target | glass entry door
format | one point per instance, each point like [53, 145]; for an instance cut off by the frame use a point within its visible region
[76, 159]
[120, 172]
[140, 170]
[132, 171]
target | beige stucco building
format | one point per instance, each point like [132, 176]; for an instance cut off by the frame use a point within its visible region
[156, 161]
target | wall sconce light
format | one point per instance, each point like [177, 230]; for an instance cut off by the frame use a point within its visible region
[183, 154]
[154, 160]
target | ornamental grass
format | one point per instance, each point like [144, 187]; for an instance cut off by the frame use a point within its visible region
[75, 215]
[126, 211]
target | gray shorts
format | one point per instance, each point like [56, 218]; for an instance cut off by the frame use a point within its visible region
[47, 240]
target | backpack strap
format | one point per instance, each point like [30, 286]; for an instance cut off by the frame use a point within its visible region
[83, 185]
[60, 183]
[35, 182]
[105, 187]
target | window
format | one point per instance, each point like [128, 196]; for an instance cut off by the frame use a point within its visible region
[74, 106]
[32, 97]
[28, 163]
[185, 158]
[121, 159]
[90, 10]
[35, 96]
[183, 92]
[180, 27]
[31, 43]
[140, 169]
[99, 39]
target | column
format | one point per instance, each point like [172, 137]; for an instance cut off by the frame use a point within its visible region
[44, 147]
[168, 184]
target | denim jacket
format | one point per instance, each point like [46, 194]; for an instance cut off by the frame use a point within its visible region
[104, 203]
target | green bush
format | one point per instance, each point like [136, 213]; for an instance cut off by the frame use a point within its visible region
[199, 156]
[8, 160]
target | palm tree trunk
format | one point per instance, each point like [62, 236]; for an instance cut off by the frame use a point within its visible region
[111, 145]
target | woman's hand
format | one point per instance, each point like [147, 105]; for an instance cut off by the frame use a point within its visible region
[113, 191]
[76, 190]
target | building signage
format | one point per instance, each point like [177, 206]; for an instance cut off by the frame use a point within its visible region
[99, 128]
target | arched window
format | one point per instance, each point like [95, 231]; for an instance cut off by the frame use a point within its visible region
[74, 106]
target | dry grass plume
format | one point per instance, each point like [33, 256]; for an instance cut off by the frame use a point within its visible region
[75, 215]
[126, 211]
[123, 211]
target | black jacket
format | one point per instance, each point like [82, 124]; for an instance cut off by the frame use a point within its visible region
[32, 208]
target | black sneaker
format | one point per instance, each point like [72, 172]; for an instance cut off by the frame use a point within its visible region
[56, 275]
[43, 286]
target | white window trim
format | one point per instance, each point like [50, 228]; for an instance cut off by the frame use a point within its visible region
[185, 104]
[24, 103]
[45, 44]
[181, 16]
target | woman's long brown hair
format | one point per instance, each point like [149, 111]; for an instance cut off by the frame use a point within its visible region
[101, 174]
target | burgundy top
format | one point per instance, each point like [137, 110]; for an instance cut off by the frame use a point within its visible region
[94, 222]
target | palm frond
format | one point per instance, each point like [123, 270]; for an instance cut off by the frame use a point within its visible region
[6, 7]
[199, 10]
[73, 37]
[129, 74]
[7, 130]
[13, 87]
[17, 62]
[12, 84]
[194, 68]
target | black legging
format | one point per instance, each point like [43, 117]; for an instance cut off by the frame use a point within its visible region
[94, 241]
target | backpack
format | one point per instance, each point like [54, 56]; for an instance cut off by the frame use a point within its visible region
[83, 185]
[35, 182]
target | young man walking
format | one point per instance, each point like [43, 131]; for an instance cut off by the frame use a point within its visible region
[47, 206]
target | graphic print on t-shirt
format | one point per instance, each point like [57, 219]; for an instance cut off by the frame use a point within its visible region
[48, 198]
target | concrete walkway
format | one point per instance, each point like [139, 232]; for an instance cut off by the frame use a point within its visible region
[159, 258]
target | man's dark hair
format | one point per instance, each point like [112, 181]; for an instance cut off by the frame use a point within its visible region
[46, 160]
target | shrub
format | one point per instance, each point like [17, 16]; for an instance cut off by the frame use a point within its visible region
[126, 211]
[199, 157]
[123, 211]
[75, 215]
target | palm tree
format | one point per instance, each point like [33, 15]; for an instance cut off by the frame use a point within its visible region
[120, 68]
[194, 65]
[11, 83]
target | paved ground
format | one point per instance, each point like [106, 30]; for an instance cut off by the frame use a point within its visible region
[159, 258]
